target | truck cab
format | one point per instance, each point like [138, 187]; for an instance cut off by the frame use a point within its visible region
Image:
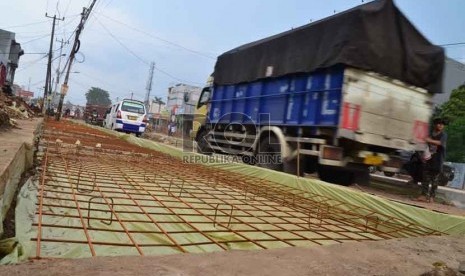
[201, 110]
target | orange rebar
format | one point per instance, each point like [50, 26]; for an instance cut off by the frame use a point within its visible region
[41, 199]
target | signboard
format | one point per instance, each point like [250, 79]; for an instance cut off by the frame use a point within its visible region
[64, 89]
[27, 94]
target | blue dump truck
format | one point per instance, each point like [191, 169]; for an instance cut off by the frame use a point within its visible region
[334, 97]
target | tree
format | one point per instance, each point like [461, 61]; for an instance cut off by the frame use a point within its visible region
[98, 96]
[454, 108]
[456, 141]
[454, 111]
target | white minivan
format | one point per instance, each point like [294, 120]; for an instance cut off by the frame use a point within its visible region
[126, 116]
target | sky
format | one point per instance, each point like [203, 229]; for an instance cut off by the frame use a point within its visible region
[183, 37]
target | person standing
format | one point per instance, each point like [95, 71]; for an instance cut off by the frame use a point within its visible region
[433, 166]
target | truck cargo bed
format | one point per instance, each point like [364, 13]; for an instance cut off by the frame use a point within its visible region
[364, 107]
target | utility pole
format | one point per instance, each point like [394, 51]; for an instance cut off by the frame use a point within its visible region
[149, 86]
[48, 82]
[57, 81]
[76, 45]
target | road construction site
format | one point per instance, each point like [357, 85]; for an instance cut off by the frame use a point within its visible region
[104, 196]
[99, 195]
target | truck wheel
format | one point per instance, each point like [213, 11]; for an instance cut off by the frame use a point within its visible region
[268, 154]
[203, 146]
[344, 175]
[335, 175]
[290, 167]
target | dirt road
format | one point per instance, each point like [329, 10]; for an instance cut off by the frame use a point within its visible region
[393, 257]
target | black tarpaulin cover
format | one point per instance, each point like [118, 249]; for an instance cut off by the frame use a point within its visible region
[375, 36]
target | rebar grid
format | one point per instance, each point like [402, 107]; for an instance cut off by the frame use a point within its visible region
[154, 200]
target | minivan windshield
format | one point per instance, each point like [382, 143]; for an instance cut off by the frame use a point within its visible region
[133, 107]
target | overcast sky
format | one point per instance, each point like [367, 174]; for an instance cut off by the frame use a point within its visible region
[183, 37]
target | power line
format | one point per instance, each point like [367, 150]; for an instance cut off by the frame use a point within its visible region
[39, 38]
[67, 7]
[97, 7]
[139, 58]
[120, 43]
[25, 25]
[175, 78]
[158, 38]
[35, 39]
[25, 53]
[56, 8]
[452, 44]
[31, 63]
[103, 81]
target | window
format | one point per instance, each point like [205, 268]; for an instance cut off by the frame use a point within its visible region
[133, 107]
[204, 97]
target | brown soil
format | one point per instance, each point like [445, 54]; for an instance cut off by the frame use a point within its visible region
[394, 257]
[4, 120]
[13, 107]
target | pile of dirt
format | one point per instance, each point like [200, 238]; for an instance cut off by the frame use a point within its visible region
[4, 120]
[11, 108]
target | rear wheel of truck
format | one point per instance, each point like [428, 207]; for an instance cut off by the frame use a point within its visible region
[344, 175]
[335, 175]
[203, 146]
[290, 167]
[269, 154]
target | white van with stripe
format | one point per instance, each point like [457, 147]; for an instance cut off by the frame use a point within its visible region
[127, 116]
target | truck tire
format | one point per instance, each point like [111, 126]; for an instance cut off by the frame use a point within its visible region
[268, 150]
[203, 146]
[335, 175]
[344, 175]
[290, 167]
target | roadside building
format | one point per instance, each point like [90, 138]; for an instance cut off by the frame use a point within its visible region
[453, 77]
[182, 99]
[181, 102]
[26, 95]
[10, 52]
[157, 113]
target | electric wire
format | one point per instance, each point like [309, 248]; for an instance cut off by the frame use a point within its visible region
[453, 44]
[121, 44]
[158, 38]
[139, 58]
[25, 25]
